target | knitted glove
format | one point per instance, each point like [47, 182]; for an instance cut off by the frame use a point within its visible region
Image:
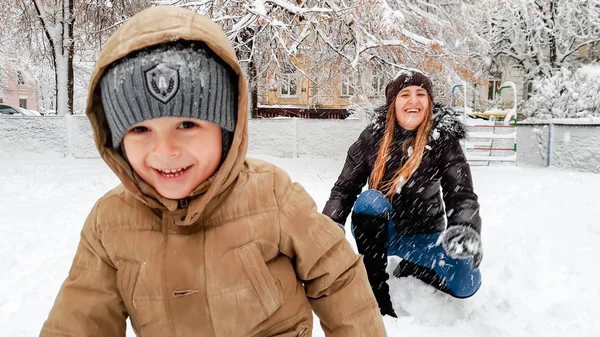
[463, 242]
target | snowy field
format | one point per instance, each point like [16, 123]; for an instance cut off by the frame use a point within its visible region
[541, 236]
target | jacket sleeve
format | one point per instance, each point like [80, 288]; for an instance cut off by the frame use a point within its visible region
[353, 177]
[88, 303]
[334, 276]
[462, 207]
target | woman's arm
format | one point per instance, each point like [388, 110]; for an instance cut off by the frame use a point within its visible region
[462, 206]
[462, 238]
[353, 177]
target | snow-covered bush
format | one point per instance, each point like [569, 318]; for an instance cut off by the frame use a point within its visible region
[362, 107]
[567, 94]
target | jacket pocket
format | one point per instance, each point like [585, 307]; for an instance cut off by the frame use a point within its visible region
[268, 289]
[127, 275]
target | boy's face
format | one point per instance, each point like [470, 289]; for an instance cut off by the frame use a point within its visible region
[174, 155]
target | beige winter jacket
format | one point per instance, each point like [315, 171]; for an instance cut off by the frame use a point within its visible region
[249, 256]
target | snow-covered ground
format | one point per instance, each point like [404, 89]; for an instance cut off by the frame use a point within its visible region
[540, 268]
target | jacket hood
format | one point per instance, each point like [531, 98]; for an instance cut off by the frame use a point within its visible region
[154, 26]
[446, 125]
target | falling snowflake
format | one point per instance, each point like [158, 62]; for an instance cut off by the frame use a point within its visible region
[401, 182]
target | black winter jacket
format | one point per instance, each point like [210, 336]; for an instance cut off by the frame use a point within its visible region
[443, 175]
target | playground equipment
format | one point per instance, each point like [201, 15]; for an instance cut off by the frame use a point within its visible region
[491, 133]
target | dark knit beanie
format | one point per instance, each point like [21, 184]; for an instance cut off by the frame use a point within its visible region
[406, 78]
[180, 79]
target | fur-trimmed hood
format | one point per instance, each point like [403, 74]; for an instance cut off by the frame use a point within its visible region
[446, 124]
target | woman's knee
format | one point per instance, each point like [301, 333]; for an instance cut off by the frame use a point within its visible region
[372, 202]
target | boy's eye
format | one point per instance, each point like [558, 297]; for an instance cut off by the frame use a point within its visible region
[187, 125]
[138, 129]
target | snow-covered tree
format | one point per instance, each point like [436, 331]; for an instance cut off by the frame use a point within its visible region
[540, 35]
[60, 52]
[21, 49]
[56, 18]
[364, 41]
[13, 51]
[94, 22]
[566, 94]
[349, 38]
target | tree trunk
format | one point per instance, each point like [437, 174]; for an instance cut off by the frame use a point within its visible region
[253, 89]
[61, 44]
[70, 20]
[51, 42]
[552, 36]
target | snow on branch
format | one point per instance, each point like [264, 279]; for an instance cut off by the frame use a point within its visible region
[193, 3]
[419, 39]
[329, 42]
[301, 37]
[245, 21]
[291, 8]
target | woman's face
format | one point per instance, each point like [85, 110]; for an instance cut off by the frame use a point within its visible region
[411, 106]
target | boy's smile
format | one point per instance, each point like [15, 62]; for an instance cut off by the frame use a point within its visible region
[172, 173]
[174, 155]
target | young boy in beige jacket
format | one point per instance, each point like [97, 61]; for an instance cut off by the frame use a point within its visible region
[198, 240]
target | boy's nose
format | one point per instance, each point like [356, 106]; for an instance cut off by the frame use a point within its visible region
[167, 147]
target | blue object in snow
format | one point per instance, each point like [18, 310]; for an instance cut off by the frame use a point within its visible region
[425, 250]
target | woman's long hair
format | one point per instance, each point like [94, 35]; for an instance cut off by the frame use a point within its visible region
[418, 144]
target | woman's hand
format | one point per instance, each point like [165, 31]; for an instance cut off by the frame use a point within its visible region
[463, 242]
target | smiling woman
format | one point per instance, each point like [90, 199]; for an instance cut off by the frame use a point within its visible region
[408, 156]
[412, 107]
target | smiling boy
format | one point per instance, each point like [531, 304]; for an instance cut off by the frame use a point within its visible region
[198, 240]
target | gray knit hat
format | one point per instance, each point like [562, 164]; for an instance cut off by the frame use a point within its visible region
[180, 79]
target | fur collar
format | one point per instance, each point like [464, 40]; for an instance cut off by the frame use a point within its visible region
[446, 123]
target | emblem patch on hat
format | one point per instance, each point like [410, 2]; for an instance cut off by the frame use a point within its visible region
[162, 81]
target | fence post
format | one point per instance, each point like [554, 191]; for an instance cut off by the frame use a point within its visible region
[549, 156]
[68, 138]
[295, 121]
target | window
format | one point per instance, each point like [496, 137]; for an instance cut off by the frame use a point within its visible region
[495, 83]
[20, 78]
[313, 89]
[378, 84]
[289, 82]
[348, 86]
[23, 103]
